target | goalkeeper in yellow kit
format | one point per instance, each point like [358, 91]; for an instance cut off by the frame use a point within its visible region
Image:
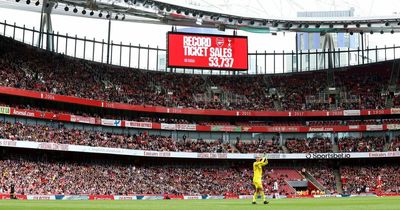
[257, 168]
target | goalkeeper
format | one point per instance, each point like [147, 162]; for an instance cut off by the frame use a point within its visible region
[257, 168]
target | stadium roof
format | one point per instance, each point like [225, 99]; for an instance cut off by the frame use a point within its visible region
[251, 15]
[287, 9]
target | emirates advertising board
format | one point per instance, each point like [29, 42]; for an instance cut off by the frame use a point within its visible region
[207, 51]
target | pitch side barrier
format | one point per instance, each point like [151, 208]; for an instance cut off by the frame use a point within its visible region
[176, 197]
[191, 155]
[190, 111]
[5, 110]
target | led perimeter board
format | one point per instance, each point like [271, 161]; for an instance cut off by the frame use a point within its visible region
[207, 51]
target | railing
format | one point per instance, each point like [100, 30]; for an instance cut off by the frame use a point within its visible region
[154, 58]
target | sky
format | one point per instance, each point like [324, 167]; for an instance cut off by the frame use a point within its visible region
[155, 35]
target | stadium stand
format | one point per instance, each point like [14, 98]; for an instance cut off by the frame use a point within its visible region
[38, 175]
[310, 145]
[364, 144]
[361, 179]
[143, 141]
[325, 176]
[43, 174]
[59, 133]
[259, 146]
[24, 67]
[395, 144]
[28, 68]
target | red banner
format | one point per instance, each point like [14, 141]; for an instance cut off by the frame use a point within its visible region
[173, 197]
[187, 111]
[205, 128]
[23, 113]
[101, 197]
[7, 197]
[231, 197]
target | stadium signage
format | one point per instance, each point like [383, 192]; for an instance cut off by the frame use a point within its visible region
[192, 197]
[226, 128]
[351, 112]
[8, 143]
[186, 127]
[170, 196]
[53, 146]
[354, 127]
[101, 150]
[284, 129]
[374, 127]
[157, 154]
[72, 197]
[47, 96]
[165, 126]
[41, 197]
[108, 122]
[214, 197]
[4, 110]
[186, 111]
[120, 197]
[328, 155]
[194, 127]
[24, 113]
[384, 154]
[182, 127]
[273, 156]
[207, 51]
[145, 153]
[212, 155]
[134, 124]
[393, 126]
[320, 129]
[101, 197]
[81, 119]
[395, 110]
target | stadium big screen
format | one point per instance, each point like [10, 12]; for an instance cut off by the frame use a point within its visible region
[206, 51]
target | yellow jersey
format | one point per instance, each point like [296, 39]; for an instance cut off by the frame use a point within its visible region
[257, 168]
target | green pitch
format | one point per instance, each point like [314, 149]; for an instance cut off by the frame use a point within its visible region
[369, 203]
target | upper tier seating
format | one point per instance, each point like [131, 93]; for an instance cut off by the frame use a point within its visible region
[24, 67]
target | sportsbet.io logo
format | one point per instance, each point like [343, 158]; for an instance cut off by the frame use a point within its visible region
[328, 155]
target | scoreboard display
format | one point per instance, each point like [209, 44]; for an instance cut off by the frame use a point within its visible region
[206, 51]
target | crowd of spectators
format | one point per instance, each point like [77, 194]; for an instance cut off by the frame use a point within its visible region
[62, 134]
[27, 68]
[384, 179]
[325, 176]
[259, 146]
[395, 144]
[43, 175]
[309, 145]
[24, 67]
[51, 177]
[201, 145]
[142, 141]
[362, 144]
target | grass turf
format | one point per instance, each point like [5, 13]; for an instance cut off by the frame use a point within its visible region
[359, 203]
